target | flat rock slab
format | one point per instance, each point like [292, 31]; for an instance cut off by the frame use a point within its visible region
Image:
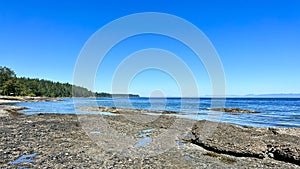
[233, 110]
[277, 143]
[60, 141]
[6, 110]
[122, 110]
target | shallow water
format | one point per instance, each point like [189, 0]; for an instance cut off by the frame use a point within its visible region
[95, 132]
[180, 143]
[188, 157]
[147, 130]
[144, 139]
[143, 142]
[24, 159]
[274, 112]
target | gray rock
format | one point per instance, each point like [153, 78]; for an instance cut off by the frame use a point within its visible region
[232, 110]
[61, 142]
[250, 142]
[8, 110]
[122, 110]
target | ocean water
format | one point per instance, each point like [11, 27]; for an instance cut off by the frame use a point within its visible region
[274, 112]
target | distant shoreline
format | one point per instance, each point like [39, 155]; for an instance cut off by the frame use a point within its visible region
[14, 99]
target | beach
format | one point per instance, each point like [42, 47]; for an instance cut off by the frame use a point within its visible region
[150, 84]
[70, 141]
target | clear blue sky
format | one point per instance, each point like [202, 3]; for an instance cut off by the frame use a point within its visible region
[258, 41]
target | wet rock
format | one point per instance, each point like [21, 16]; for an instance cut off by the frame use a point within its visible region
[232, 110]
[122, 110]
[169, 112]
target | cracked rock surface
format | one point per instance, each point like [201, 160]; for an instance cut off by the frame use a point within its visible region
[277, 143]
[65, 141]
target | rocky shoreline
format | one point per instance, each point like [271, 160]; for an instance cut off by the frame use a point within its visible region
[232, 110]
[82, 141]
[123, 110]
[7, 110]
[14, 99]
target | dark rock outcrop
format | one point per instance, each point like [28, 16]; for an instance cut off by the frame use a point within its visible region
[232, 110]
[277, 143]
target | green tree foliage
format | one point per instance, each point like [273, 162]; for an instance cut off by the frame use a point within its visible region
[6, 74]
[7, 83]
[12, 85]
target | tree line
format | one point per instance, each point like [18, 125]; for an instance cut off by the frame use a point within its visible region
[11, 85]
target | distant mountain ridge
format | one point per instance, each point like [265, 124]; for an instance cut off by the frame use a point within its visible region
[279, 95]
[285, 95]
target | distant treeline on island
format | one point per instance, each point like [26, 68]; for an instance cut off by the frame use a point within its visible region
[116, 95]
[11, 85]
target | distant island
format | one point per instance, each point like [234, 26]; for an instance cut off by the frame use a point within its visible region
[280, 95]
[116, 95]
[125, 95]
[11, 85]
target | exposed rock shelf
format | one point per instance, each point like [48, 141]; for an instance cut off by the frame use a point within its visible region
[64, 141]
[232, 110]
[277, 143]
[122, 110]
[6, 110]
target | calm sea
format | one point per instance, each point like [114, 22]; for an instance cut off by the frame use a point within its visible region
[274, 112]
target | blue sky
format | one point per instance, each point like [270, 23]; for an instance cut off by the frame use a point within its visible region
[258, 42]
